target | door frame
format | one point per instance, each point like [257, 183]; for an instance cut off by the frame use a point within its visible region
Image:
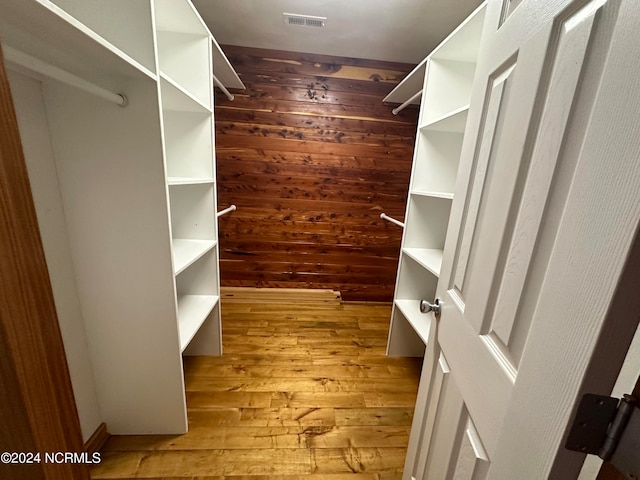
[39, 412]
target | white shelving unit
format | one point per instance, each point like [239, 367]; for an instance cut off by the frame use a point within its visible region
[138, 188]
[448, 77]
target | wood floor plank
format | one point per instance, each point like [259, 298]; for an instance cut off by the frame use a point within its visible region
[336, 476]
[302, 392]
[209, 400]
[374, 416]
[297, 371]
[357, 460]
[226, 462]
[270, 437]
[318, 384]
[193, 364]
[313, 416]
[320, 399]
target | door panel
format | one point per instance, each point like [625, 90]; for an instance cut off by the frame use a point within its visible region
[471, 460]
[520, 175]
[507, 328]
[495, 103]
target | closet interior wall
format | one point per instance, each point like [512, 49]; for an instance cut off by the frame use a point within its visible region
[312, 157]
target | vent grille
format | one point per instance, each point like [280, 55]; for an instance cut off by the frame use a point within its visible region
[304, 20]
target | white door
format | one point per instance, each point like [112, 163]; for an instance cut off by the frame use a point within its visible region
[545, 213]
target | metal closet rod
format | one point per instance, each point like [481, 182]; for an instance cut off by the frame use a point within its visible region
[38, 66]
[219, 84]
[397, 110]
[384, 216]
[226, 210]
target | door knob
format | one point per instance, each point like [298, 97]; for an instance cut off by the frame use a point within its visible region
[426, 307]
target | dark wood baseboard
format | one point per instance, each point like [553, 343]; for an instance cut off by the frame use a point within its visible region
[97, 440]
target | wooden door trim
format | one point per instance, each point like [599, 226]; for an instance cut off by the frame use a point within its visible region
[38, 410]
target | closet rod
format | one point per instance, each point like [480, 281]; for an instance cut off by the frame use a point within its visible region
[397, 110]
[38, 66]
[226, 210]
[222, 87]
[384, 216]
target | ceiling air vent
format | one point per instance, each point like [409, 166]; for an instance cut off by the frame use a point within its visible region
[304, 20]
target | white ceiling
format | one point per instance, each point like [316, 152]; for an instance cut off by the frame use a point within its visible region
[393, 30]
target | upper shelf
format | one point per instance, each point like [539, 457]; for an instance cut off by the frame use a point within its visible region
[222, 68]
[127, 24]
[67, 43]
[182, 17]
[461, 45]
[409, 86]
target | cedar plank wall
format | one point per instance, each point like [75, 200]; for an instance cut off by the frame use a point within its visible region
[311, 157]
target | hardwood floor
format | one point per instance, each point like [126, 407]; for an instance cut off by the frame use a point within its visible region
[303, 391]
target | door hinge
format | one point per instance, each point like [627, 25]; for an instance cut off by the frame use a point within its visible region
[609, 428]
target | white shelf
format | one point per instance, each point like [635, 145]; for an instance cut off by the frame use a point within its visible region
[447, 88]
[436, 162]
[47, 32]
[188, 181]
[463, 43]
[445, 195]
[446, 93]
[175, 97]
[453, 121]
[222, 68]
[186, 59]
[189, 144]
[187, 251]
[149, 256]
[192, 312]
[409, 86]
[420, 322]
[193, 211]
[429, 258]
[426, 222]
[126, 24]
[179, 16]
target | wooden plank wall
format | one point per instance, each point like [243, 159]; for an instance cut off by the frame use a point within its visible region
[311, 157]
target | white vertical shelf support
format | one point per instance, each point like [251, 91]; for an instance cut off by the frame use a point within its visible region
[447, 75]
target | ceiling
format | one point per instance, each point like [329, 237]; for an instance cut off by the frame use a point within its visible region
[393, 30]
